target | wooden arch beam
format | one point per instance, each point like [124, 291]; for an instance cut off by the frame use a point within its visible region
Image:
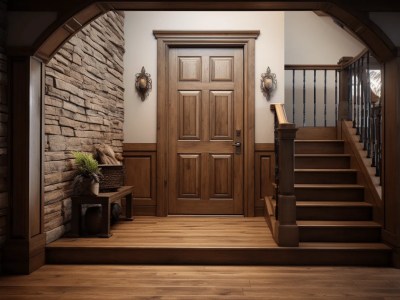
[71, 21]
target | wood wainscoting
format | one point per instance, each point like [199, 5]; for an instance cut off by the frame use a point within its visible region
[140, 171]
[264, 174]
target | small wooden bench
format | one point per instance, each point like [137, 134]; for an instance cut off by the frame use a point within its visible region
[105, 200]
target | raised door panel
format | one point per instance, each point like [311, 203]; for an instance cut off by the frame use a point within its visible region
[221, 68]
[189, 176]
[190, 68]
[220, 173]
[221, 115]
[189, 115]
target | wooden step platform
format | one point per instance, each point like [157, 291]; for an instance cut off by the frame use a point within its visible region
[208, 241]
[322, 161]
[339, 231]
[332, 211]
[329, 192]
[325, 176]
[319, 146]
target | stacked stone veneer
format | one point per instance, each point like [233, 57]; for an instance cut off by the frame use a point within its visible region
[3, 127]
[83, 107]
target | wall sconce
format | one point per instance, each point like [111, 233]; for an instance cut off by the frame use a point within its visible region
[268, 83]
[143, 83]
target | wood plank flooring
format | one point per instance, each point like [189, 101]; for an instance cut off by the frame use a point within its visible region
[192, 232]
[206, 241]
[202, 282]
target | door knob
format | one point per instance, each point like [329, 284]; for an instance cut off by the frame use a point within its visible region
[237, 144]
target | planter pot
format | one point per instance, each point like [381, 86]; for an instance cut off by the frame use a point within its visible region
[86, 186]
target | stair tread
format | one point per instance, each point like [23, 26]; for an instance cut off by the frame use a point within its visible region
[328, 203]
[318, 141]
[327, 170]
[361, 246]
[328, 186]
[333, 203]
[323, 155]
[367, 224]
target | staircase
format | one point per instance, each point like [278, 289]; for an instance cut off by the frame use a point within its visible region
[330, 207]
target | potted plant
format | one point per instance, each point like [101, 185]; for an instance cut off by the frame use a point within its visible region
[86, 182]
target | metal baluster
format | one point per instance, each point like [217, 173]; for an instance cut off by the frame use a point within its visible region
[355, 95]
[315, 99]
[373, 138]
[358, 99]
[379, 140]
[336, 97]
[350, 94]
[293, 95]
[304, 98]
[325, 98]
[367, 142]
[362, 100]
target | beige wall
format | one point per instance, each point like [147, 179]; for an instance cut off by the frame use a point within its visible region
[140, 117]
[310, 39]
[286, 38]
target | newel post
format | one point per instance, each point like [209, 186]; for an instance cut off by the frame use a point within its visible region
[344, 110]
[286, 229]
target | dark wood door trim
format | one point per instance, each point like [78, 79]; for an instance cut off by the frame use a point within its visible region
[241, 39]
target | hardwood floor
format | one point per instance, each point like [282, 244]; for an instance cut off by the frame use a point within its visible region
[202, 282]
[206, 241]
[196, 232]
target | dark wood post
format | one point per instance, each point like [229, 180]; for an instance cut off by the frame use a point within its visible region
[343, 109]
[391, 159]
[24, 250]
[286, 229]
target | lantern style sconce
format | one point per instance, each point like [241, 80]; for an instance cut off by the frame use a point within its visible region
[268, 83]
[143, 83]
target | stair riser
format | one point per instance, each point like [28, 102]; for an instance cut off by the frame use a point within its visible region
[325, 177]
[316, 133]
[327, 194]
[272, 256]
[322, 162]
[339, 234]
[319, 147]
[334, 213]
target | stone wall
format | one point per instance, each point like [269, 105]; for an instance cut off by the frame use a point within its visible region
[3, 127]
[83, 107]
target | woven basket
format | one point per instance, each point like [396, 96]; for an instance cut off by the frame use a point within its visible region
[112, 179]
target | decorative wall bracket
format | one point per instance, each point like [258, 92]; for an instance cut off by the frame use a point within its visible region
[268, 83]
[143, 83]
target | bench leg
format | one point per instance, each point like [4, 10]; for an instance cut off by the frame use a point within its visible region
[129, 206]
[105, 215]
[76, 220]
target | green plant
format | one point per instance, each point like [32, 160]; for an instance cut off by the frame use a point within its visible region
[87, 166]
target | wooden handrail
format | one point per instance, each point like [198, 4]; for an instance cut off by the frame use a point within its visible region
[279, 109]
[340, 66]
[354, 59]
[312, 67]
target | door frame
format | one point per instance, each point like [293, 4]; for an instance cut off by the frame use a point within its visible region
[240, 39]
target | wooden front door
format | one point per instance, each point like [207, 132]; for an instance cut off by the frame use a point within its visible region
[205, 131]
